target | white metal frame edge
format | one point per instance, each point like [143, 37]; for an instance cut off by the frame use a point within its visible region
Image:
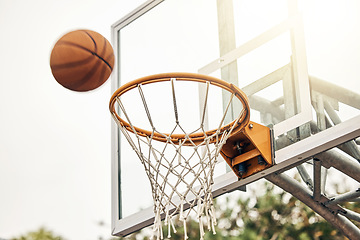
[115, 28]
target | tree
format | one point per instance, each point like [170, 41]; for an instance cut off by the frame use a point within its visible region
[276, 216]
[41, 234]
[273, 215]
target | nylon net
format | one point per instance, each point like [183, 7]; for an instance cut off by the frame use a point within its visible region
[180, 169]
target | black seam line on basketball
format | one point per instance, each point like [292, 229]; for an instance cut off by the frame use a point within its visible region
[91, 39]
[79, 83]
[103, 54]
[108, 64]
[84, 48]
[102, 69]
[104, 50]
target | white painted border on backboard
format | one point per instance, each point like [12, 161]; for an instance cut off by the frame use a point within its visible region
[293, 24]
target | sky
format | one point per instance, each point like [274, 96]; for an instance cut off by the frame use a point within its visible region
[55, 144]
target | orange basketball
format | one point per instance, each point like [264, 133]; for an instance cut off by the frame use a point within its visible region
[82, 60]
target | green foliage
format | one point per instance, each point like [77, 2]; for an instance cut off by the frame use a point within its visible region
[279, 216]
[41, 234]
[270, 216]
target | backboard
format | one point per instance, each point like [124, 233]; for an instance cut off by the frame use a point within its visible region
[297, 69]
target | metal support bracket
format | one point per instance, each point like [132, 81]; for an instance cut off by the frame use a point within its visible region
[249, 151]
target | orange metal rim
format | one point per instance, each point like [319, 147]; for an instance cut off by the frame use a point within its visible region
[194, 77]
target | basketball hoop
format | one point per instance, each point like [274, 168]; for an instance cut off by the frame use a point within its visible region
[179, 163]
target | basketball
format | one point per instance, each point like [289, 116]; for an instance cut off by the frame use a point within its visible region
[82, 60]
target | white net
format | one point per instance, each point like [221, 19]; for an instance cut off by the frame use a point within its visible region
[180, 169]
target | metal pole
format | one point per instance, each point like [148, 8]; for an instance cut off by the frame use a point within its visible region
[332, 158]
[317, 179]
[350, 147]
[351, 215]
[304, 195]
[346, 197]
[305, 177]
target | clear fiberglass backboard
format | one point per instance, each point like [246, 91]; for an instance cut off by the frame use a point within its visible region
[296, 62]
